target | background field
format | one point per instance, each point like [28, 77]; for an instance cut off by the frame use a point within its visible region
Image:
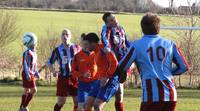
[188, 100]
[40, 21]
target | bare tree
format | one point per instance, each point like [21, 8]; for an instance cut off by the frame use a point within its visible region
[9, 29]
[45, 47]
[189, 39]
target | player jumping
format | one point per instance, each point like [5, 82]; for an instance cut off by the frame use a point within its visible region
[114, 38]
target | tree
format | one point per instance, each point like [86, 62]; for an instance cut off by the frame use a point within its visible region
[189, 39]
[9, 29]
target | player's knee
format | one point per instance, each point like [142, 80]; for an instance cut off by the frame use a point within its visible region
[26, 91]
[98, 106]
[75, 100]
[61, 101]
[33, 91]
[80, 106]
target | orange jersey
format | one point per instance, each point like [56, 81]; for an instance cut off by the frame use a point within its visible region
[84, 62]
[106, 63]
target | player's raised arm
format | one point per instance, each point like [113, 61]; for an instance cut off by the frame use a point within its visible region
[104, 36]
[180, 61]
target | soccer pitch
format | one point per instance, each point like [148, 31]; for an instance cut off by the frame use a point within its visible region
[10, 97]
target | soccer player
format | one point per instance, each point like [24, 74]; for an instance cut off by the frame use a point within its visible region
[66, 85]
[84, 67]
[106, 66]
[29, 71]
[154, 57]
[114, 38]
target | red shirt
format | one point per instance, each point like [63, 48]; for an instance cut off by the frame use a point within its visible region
[84, 62]
[106, 62]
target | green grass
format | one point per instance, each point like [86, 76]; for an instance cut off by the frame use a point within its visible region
[39, 22]
[188, 100]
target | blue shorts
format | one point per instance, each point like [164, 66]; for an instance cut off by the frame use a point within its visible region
[86, 89]
[105, 93]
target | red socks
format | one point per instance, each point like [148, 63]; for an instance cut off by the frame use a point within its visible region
[24, 96]
[28, 99]
[57, 107]
[75, 108]
[119, 106]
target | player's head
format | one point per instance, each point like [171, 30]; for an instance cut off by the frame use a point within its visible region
[92, 39]
[82, 41]
[29, 40]
[150, 24]
[109, 19]
[66, 36]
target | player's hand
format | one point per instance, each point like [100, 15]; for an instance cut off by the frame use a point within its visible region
[29, 78]
[104, 81]
[87, 75]
[106, 50]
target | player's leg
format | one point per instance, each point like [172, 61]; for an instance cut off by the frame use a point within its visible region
[30, 95]
[23, 98]
[61, 93]
[99, 104]
[92, 95]
[81, 106]
[89, 103]
[75, 101]
[60, 102]
[119, 98]
[82, 94]
[106, 93]
[73, 91]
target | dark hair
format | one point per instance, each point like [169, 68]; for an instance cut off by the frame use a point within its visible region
[91, 37]
[105, 16]
[83, 35]
[150, 24]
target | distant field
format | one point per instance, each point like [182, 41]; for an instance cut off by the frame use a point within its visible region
[39, 21]
[188, 100]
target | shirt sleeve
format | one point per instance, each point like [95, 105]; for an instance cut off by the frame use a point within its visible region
[112, 60]
[75, 69]
[180, 62]
[128, 59]
[53, 57]
[104, 34]
[27, 61]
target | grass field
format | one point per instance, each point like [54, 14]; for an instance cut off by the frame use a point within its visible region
[39, 22]
[188, 100]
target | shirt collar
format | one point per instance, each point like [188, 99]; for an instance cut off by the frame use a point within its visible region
[151, 36]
